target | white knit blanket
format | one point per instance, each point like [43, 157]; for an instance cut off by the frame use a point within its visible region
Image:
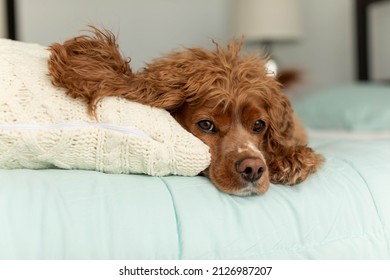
[42, 127]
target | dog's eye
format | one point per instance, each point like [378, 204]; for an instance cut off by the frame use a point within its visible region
[207, 126]
[258, 126]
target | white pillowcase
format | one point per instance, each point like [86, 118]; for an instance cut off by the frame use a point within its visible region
[42, 127]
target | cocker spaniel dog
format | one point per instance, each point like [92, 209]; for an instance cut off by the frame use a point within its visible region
[225, 99]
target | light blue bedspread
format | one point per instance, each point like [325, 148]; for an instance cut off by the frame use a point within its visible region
[341, 212]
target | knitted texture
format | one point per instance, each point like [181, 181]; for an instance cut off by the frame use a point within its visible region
[42, 127]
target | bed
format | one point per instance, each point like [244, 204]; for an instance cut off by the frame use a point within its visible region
[341, 212]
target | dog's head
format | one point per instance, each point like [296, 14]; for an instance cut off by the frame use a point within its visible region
[231, 104]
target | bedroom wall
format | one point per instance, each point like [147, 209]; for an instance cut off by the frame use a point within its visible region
[326, 53]
[147, 28]
[380, 38]
[3, 30]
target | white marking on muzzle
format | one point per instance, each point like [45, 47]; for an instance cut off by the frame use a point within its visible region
[252, 148]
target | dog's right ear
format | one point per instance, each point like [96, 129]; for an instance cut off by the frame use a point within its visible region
[92, 67]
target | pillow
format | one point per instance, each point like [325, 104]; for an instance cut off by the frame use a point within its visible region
[362, 107]
[42, 127]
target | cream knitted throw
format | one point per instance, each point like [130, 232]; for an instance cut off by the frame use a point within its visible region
[42, 127]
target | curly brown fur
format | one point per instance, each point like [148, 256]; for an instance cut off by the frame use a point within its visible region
[225, 99]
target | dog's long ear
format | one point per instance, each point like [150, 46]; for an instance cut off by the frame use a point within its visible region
[91, 67]
[289, 162]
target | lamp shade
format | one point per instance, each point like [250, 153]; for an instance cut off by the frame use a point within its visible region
[267, 20]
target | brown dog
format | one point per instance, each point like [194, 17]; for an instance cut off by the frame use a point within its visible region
[226, 100]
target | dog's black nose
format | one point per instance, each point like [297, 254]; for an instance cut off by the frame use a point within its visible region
[251, 169]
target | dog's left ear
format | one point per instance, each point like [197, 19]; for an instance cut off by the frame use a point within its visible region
[289, 162]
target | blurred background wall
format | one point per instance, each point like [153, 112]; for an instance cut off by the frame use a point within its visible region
[325, 53]
[380, 30]
[3, 30]
[146, 28]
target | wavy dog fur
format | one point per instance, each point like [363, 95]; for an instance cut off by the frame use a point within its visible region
[224, 98]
